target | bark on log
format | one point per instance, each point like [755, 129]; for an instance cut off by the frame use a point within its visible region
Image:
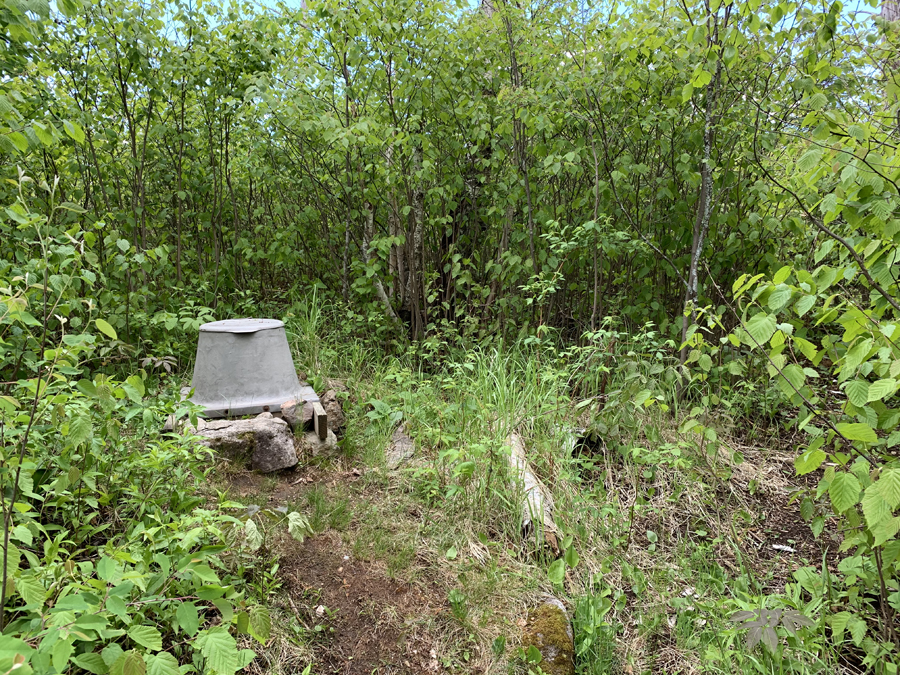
[537, 504]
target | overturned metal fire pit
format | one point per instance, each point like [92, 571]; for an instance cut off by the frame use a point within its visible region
[243, 367]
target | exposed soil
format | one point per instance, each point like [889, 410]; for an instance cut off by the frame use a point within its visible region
[373, 624]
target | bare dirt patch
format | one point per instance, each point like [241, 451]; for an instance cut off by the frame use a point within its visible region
[374, 624]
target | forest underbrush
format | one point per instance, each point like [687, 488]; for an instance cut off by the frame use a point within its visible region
[671, 518]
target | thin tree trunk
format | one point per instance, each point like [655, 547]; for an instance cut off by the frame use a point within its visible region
[701, 222]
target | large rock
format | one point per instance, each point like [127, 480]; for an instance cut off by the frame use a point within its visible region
[400, 448]
[548, 629]
[310, 445]
[265, 442]
[334, 410]
[297, 414]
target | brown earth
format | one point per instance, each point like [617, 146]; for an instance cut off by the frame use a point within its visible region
[374, 624]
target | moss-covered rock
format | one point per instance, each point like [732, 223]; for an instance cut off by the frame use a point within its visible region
[548, 629]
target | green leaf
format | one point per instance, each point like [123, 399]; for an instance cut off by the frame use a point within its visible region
[146, 636]
[18, 140]
[260, 623]
[43, 133]
[245, 658]
[23, 534]
[92, 662]
[219, 649]
[761, 328]
[888, 486]
[857, 629]
[94, 621]
[80, 428]
[857, 392]
[62, 650]
[571, 557]
[557, 571]
[162, 664]
[188, 618]
[31, 590]
[804, 304]
[781, 275]
[857, 431]
[809, 461]
[533, 655]
[779, 297]
[298, 526]
[881, 389]
[106, 329]
[111, 654]
[74, 131]
[809, 159]
[252, 535]
[844, 491]
[109, 569]
[134, 663]
[838, 624]
[875, 507]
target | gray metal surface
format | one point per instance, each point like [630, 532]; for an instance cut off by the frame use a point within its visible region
[243, 367]
[241, 325]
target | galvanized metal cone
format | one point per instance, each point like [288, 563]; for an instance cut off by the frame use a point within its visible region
[243, 367]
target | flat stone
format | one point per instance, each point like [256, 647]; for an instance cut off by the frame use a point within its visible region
[310, 445]
[334, 410]
[265, 442]
[400, 448]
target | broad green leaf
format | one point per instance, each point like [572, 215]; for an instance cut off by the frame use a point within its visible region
[133, 663]
[557, 571]
[809, 159]
[91, 662]
[80, 428]
[781, 275]
[881, 389]
[844, 491]
[219, 649]
[252, 535]
[23, 534]
[146, 636]
[857, 629]
[162, 663]
[571, 557]
[31, 590]
[74, 131]
[839, 623]
[885, 530]
[260, 623]
[809, 461]
[245, 658]
[888, 486]
[106, 329]
[298, 526]
[62, 650]
[243, 622]
[111, 654]
[804, 304]
[761, 328]
[779, 297]
[858, 392]
[874, 506]
[188, 618]
[857, 431]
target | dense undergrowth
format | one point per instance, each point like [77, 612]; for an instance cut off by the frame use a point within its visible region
[658, 241]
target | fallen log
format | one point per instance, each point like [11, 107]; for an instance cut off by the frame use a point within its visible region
[537, 504]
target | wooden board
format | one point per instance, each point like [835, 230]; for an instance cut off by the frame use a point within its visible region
[320, 420]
